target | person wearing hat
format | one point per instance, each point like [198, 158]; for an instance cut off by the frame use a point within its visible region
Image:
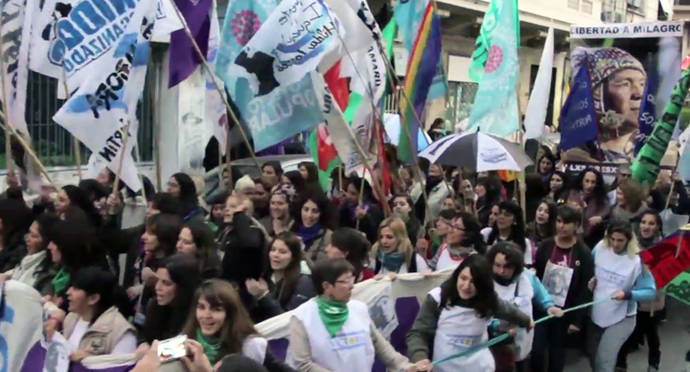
[618, 83]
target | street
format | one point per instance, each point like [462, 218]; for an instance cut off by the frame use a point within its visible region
[675, 343]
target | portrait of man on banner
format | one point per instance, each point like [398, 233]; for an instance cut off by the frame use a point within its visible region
[630, 75]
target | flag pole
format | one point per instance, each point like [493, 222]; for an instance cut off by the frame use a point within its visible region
[9, 129]
[116, 183]
[75, 141]
[202, 57]
[155, 97]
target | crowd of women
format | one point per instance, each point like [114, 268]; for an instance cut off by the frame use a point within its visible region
[211, 269]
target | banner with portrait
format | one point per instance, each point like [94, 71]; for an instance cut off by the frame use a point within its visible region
[633, 68]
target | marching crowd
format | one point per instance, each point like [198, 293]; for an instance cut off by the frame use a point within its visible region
[212, 269]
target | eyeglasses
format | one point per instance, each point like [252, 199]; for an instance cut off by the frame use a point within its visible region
[348, 281]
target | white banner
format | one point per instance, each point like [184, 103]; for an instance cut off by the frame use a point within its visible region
[193, 133]
[296, 38]
[622, 30]
[21, 323]
[104, 106]
[371, 292]
[14, 48]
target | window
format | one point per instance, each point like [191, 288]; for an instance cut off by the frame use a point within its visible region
[586, 6]
[574, 4]
[460, 100]
[52, 143]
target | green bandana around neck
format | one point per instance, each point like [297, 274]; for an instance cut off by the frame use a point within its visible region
[60, 281]
[211, 346]
[332, 313]
[391, 261]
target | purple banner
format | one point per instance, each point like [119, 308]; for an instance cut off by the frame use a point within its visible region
[183, 57]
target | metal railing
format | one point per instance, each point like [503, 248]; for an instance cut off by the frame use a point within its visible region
[52, 143]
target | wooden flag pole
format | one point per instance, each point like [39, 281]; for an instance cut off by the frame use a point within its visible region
[8, 134]
[123, 152]
[27, 148]
[157, 126]
[75, 142]
[202, 57]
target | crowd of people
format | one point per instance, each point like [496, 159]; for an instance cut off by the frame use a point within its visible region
[212, 269]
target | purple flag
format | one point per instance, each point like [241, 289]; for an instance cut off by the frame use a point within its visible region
[183, 57]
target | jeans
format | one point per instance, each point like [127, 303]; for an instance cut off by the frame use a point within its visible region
[604, 343]
[549, 336]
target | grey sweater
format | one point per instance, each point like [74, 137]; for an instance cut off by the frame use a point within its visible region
[420, 339]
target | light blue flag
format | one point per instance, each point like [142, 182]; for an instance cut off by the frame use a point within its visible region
[243, 19]
[408, 15]
[495, 108]
[277, 114]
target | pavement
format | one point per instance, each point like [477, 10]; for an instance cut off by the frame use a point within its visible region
[675, 343]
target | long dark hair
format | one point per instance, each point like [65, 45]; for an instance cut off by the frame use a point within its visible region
[292, 271]
[312, 172]
[167, 228]
[485, 301]
[517, 230]
[473, 234]
[237, 326]
[599, 194]
[204, 240]
[321, 201]
[550, 228]
[45, 223]
[76, 241]
[188, 198]
[564, 187]
[80, 198]
[16, 219]
[164, 321]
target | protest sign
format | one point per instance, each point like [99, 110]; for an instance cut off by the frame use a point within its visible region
[633, 68]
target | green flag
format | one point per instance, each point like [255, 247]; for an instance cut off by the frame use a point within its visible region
[482, 46]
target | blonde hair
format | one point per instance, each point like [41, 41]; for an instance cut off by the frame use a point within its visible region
[400, 233]
[243, 200]
[623, 227]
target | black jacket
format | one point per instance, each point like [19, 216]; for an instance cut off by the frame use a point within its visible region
[244, 250]
[583, 271]
[270, 305]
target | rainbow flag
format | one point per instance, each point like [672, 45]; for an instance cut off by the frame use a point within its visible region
[421, 69]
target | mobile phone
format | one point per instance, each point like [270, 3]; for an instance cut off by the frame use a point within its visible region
[172, 348]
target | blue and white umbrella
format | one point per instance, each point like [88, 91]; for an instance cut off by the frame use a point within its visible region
[477, 151]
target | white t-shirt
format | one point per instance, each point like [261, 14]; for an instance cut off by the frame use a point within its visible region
[127, 344]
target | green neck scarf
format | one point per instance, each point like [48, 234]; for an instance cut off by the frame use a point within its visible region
[60, 280]
[211, 346]
[332, 313]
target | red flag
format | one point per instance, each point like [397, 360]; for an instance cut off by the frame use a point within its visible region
[338, 86]
[662, 261]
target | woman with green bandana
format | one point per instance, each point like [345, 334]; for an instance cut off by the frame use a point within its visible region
[222, 326]
[341, 336]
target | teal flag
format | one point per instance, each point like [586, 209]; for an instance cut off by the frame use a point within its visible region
[408, 16]
[495, 108]
[482, 46]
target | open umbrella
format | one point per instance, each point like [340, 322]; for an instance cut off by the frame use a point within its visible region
[477, 151]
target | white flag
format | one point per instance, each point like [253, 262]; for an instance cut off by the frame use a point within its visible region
[104, 105]
[296, 38]
[44, 58]
[167, 21]
[535, 115]
[340, 133]
[14, 48]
